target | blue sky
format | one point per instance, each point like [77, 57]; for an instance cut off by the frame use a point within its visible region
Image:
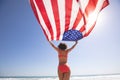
[24, 50]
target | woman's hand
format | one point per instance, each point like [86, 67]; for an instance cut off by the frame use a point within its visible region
[76, 42]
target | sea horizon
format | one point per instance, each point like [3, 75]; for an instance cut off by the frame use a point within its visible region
[52, 76]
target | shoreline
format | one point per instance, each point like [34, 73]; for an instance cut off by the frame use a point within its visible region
[89, 75]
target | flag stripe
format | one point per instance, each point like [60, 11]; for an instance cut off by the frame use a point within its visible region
[62, 17]
[39, 17]
[90, 29]
[78, 20]
[45, 16]
[49, 11]
[68, 9]
[106, 3]
[93, 17]
[80, 24]
[91, 6]
[56, 16]
[83, 4]
[74, 14]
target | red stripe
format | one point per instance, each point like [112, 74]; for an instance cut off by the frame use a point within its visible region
[68, 9]
[88, 10]
[45, 16]
[78, 19]
[82, 28]
[56, 17]
[90, 7]
[35, 13]
[106, 3]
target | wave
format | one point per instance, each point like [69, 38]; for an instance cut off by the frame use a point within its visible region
[87, 77]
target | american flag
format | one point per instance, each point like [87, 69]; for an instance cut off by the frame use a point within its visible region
[68, 20]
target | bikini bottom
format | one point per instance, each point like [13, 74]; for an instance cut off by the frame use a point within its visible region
[64, 68]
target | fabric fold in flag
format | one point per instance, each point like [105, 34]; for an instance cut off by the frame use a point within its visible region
[68, 20]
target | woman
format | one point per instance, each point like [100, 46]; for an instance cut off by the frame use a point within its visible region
[63, 69]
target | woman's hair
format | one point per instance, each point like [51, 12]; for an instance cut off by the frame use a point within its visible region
[62, 46]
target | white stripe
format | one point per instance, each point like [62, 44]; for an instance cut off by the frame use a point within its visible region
[81, 23]
[83, 4]
[61, 7]
[49, 10]
[83, 33]
[42, 21]
[93, 17]
[75, 9]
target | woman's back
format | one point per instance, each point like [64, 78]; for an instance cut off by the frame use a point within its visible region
[62, 55]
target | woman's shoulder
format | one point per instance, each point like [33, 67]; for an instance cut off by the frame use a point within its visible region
[62, 51]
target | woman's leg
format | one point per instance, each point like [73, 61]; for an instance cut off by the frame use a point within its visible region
[60, 75]
[66, 76]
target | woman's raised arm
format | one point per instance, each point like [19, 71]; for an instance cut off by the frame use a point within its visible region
[72, 46]
[53, 45]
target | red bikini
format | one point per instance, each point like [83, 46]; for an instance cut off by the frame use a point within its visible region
[61, 55]
[63, 67]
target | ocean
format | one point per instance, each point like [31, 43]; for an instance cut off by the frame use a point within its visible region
[79, 77]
